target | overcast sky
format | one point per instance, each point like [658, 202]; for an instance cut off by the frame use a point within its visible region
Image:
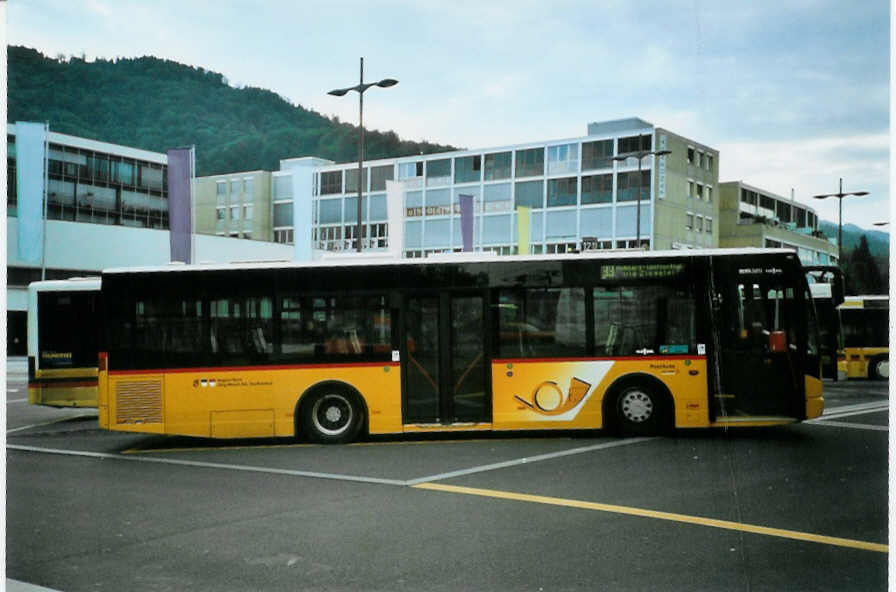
[793, 93]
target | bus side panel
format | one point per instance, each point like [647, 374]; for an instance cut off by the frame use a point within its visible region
[229, 403]
[543, 394]
[132, 402]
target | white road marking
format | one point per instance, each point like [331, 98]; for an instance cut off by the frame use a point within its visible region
[526, 460]
[334, 476]
[46, 423]
[17, 400]
[207, 465]
[858, 426]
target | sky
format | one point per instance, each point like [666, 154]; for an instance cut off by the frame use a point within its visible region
[793, 93]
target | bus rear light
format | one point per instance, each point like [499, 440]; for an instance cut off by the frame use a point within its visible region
[102, 365]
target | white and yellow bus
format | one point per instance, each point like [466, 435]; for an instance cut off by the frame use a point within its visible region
[634, 342]
[64, 329]
[866, 337]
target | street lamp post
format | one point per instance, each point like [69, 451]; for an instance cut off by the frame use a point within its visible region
[360, 88]
[840, 195]
[640, 154]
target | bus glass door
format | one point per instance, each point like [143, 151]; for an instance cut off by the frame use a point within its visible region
[759, 357]
[443, 359]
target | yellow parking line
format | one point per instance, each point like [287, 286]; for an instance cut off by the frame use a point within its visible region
[725, 524]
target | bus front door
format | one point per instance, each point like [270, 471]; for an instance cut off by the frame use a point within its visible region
[756, 348]
[444, 378]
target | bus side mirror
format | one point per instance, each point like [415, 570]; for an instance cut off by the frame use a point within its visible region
[777, 342]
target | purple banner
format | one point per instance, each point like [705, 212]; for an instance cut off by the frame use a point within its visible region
[180, 173]
[466, 220]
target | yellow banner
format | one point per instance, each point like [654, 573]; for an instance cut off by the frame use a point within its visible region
[522, 229]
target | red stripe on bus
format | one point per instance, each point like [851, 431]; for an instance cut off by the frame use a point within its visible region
[253, 368]
[605, 359]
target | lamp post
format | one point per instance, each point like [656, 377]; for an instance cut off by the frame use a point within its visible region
[840, 195]
[640, 154]
[360, 88]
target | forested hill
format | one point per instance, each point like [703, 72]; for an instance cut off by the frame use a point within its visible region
[159, 104]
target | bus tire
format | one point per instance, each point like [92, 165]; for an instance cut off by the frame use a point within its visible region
[639, 408]
[331, 414]
[879, 368]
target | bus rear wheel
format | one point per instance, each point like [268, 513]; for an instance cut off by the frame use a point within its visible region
[639, 410]
[879, 368]
[331, 416]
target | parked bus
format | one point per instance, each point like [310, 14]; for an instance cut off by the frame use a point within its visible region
[866, 336]
[826, 287]
[637, 342]
[64, 329]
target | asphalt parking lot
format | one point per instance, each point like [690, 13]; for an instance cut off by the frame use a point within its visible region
[801, 507]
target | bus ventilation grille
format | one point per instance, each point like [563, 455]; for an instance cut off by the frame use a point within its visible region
[138, 401]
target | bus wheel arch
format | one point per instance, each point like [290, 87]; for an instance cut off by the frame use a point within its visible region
[330, 412]
[638, 404]
[879, 367]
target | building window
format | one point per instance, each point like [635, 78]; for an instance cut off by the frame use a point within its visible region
[530, 163]
[234, 212]
[700, 159]
[236, 185]
[530, 194]
[690, 189]
[331, 182]
[563, 159]
[699, 223]
[690, 155]
[707, 226]
[247, 212]
[597, 189]
[709, 162]
[497, 166]
[635, 144]
[438, 172]
[562, 192]
[597, 155]
[699, 191]
[627, 186]
[409, 170]
[247, 186]
[351, 181]
[468, 169]
[709, 194]
[689, 221]
[379, 175]
[221, 213]
[221, 188]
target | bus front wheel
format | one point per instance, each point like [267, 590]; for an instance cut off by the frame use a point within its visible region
[639, 410]
[879, 368]
[331, 416]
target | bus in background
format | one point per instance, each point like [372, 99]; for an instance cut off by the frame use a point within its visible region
[826, 287]
[64, 328]
[635, 342]
[866, 337]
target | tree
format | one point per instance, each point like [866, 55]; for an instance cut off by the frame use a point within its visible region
[862, 274]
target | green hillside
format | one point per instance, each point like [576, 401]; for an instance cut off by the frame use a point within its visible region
[159, 104]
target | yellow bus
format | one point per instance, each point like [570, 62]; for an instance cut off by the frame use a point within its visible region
[629, 342]
[826, 287]
[866, 337]
[64, 329]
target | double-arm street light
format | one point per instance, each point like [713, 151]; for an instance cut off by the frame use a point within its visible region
[384, 83]
[840, 195]
[640, 154]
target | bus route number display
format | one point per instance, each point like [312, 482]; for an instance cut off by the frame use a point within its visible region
[641, 271]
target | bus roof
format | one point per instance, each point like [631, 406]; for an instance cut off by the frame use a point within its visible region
[75, 284]
[441, 260]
